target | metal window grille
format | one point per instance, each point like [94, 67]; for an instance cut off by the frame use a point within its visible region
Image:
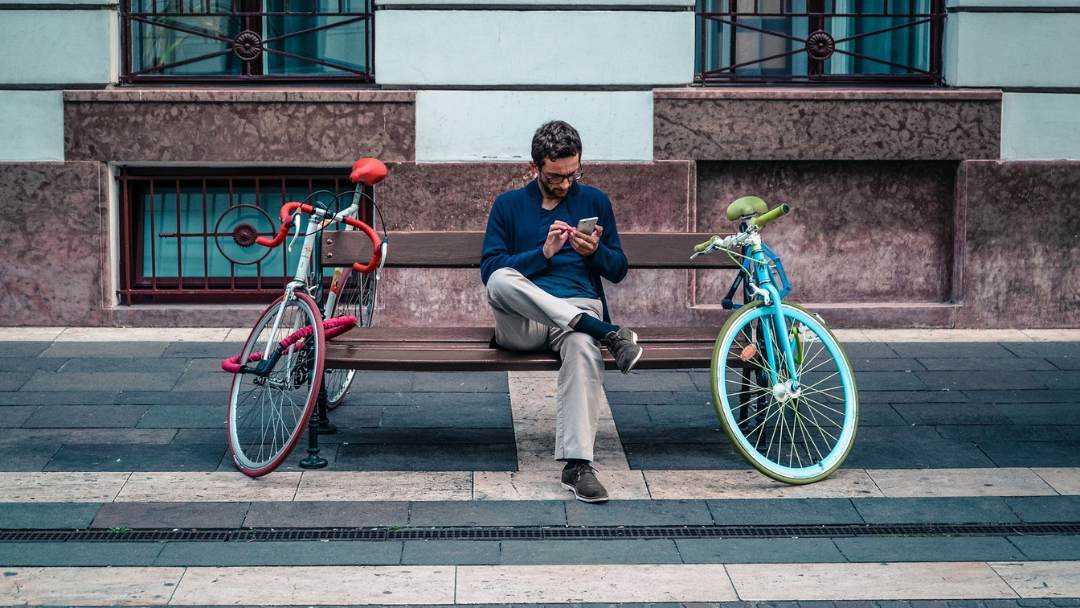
[176, 232]
[247, 40]
[819, 41]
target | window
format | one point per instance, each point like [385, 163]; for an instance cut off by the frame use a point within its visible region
[247, 40]
[177, 241]
[819, 41]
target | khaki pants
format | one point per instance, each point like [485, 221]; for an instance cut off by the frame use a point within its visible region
[528, 318]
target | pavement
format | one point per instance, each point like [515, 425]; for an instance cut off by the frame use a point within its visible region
[116, 488]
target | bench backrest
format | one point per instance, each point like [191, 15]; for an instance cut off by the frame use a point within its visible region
[462, 249]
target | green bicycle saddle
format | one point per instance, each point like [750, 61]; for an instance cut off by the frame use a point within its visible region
[747, 205]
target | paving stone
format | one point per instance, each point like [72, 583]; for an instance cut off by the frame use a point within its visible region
[329, 514]
[631, 416]
[124, 364]
[639, 513]
[13, 416]
[23, 350]
[757, 550]
[70, 350]
[936, 510]
[53, 554]
[199, 398]
[783, 511]
[1044, 349]
[928, 414]
[85, 416]
[1009, 433]
[209, 350]
[206, 436]
[1058, 380]
[204, 381]
[450, 552]
[1065, 414]
[602, 551]
[461, 382]
[73, 397]
[172, 457]
[24, 436]
[658, 380]
[1045, 508]
[488, 513]
[18, 364]
[869, 350]
[185, 515]
[13, 381]
[682, 456]
[427, 457]
[350, 434]
[982, 380]
[928, 549]
[887, 447]
[60, 381]
[880, 414]
[206, 366]
[676, 435]
[920, 350]
[300, 553]
[986, 363]
[658, 397]
[681, 416]
[327, 451]
[886, 365]
[184, 416]
[1046, 548]
[46, 515]
[382, 382]
[1032, 453]
[1021, 396]
[867, 396]
[357, 397]
[27, 457]
[436, 416]
[1067, 362]
[356, 416]
[889, 381]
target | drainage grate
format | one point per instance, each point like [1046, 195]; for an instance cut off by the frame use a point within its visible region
[543, 533]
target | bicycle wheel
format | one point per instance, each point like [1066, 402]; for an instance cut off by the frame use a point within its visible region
[794, 437]
[356, 297]
[273, 397]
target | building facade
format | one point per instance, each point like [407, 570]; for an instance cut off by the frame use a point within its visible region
[930, 148]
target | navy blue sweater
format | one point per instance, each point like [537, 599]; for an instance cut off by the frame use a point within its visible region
[510, 240]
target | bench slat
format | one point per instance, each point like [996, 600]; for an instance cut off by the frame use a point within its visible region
[462, 249]
[482, 335]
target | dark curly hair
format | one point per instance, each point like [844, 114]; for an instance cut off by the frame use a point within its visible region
[554, 140]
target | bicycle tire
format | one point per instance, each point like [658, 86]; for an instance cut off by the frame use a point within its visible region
[818, 425]
[355, 297]
[269, 411]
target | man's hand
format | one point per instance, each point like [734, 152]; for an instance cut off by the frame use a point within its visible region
[556, 238]
[585, 244]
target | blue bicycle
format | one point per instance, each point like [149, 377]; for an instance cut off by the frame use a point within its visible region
[782, 385]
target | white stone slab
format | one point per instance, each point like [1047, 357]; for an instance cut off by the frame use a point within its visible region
[946, 335]
[850, 335]
[310, 586]
[29, 334]
[142, 334]
[238, 335]
[1063, 480]
[890, 581]
[386, 485]
[88, 586]
[1053, 335]
[61, 487]
[545, 485]
[1041, 579]
[679, 485]
[960, 482]
[593, 584]
[224, 486]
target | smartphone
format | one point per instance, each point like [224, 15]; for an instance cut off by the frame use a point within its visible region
[587, 225]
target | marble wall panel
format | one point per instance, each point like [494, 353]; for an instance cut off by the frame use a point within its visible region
[859, 232]
[458, 196]
[54, 244]
[801, 124]
[1021, 238]
[226, 127]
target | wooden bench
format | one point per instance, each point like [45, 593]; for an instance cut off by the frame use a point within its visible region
[469, 348]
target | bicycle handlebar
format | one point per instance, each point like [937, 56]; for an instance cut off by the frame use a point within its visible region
[705, 245]
[287, 221]
[762, 220]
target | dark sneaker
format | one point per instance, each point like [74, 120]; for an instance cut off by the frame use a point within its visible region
[581, 480]
[623, 346]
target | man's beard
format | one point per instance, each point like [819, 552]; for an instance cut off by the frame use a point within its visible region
[546, 189]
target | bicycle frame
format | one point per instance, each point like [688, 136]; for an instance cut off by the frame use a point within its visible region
[761, 285]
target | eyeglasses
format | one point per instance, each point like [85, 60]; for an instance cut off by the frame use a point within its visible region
[558, 179]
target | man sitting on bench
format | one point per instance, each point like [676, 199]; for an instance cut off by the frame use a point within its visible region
[543, 283]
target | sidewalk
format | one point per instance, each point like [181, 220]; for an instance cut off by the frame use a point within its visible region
[964, 484]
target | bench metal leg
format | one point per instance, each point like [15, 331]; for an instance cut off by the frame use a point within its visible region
[315, 423]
